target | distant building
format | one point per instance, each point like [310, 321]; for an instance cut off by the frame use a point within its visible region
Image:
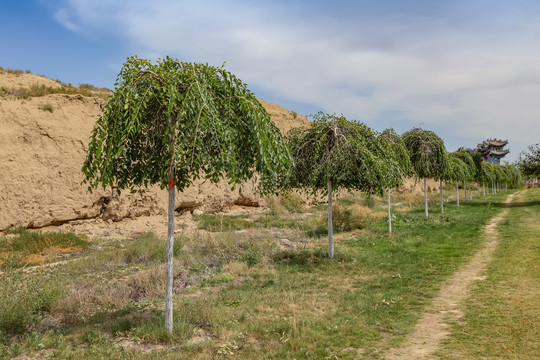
[492, 150]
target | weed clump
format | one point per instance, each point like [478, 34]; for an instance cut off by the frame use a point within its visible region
[47, 107]
[24, 247]
[24, 301]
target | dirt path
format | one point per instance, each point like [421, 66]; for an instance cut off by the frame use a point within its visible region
[432, 328]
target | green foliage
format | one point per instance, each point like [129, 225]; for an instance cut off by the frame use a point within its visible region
[427, 153]
[149, 247]
[487, 174]
[513, 175]
[23, 301]
[345, 220]
[47, 107]
[14, 250]
[458, 170]
[399, 156]
[470, 170]
[195, 120]
[348, 152]
[529, 161]
[252, 255]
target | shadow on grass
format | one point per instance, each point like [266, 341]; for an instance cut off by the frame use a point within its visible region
[501, 204]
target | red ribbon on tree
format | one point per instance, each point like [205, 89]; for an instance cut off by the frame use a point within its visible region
[171, 183]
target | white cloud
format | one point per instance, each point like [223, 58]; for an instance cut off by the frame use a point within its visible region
[471, 75]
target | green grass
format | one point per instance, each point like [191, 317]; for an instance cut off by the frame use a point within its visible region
[19, 245]
[221, 223]
[502, 317]
[244, 297]
[47, 107]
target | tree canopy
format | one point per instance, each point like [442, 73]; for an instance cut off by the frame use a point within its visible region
[198, 119]
[529, 161]
[333, 153]
[348, 152]
[459, 171]
[399, 156]
[468, 161]
[427, 153]
[172, 122]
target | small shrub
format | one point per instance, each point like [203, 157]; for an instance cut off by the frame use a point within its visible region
[291, 202]
[94, 337]
[344, 220]
[317, 232]
[47, 107]
[252, 255]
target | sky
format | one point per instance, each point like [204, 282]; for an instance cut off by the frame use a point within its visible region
[466, 69]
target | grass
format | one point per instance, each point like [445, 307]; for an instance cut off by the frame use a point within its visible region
[239, 295]
[502, 320]
[21, 247]
[42, 90]
[47, 107]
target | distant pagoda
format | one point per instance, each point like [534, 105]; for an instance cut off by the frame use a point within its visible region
[492, 150]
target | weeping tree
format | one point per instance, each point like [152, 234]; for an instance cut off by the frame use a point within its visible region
[500, 177]
[333, 153]
[468, 160]
[488, 175]
[169, 123]
[427, 155]
[400, 157]
[513, 176]
[477, 160]
[458, 171]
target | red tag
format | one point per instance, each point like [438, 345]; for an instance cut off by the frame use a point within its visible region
[171, 183]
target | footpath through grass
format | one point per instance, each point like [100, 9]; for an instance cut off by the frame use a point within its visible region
[241, 296]
[502, 318]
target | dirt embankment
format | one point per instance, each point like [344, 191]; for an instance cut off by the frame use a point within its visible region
[43, 143]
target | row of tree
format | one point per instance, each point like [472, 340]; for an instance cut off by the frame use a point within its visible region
[170, 123]
[333, 153]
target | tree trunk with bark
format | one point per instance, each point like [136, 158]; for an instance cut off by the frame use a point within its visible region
[330, 228]
[169, 271]
[389, 215]
[425, 195]
[457, 193]
[441, 189]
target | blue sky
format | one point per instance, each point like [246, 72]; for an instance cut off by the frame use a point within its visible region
[466, 69]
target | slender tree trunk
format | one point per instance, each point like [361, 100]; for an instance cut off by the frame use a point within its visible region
[484, 185]
[440, 187]
[330, 228]
[457, 192]
[389, 215]
[425, 195]
[465, 190]
[169, 274]
[470, 192]
[479, 191]
[506, 187]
